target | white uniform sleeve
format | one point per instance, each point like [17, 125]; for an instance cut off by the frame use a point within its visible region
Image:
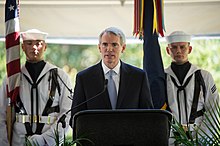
[211, 96]
[3, 105]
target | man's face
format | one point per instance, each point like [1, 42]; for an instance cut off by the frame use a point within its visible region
[34, 50]
[111, 49]
[179, 51]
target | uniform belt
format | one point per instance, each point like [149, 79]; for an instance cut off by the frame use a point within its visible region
[190, 127]
[42, 119]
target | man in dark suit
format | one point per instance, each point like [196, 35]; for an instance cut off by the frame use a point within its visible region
[131, 83]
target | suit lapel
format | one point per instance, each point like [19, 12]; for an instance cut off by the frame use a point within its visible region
[98, 79]
[123, 85]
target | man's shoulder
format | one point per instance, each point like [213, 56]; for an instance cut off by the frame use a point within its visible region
[51, 67]
[204, 72]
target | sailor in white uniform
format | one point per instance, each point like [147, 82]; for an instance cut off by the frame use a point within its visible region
[43, 98]
[189, 88]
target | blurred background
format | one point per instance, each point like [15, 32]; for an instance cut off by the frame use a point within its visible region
[74, 58]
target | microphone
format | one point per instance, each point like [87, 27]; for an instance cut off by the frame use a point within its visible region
[63, 117]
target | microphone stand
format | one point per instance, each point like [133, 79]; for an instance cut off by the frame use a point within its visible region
[63, 117]
[70, 90]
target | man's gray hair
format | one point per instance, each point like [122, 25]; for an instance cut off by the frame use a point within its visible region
[116, 32]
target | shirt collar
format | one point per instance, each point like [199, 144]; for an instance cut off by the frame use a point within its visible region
[116, 69]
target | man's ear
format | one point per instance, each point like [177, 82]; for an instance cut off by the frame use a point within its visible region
[190, 49]
[168, 50]
[45, 47]
[22, 46]
[123, 48]
[99, 48]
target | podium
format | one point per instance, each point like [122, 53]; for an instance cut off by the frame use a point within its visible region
[123, 127]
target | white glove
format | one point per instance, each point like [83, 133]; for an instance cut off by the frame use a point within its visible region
[37, 140]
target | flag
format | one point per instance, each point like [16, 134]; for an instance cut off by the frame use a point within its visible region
[157, 19]
[152, 61]
[153, 25]
[12, 45]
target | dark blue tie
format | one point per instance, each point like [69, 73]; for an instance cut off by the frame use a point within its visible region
[112, 89]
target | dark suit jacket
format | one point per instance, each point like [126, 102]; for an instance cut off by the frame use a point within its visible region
[134, 92]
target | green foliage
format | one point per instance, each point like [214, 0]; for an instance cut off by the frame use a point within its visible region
[72, 55]
[202, 138]
[133, 55]
[28, 143]
[67, 141]
[213, 125]
[180, 135]
[2, 60]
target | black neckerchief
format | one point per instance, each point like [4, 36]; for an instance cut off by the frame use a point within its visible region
[180, 70]
[35, 69]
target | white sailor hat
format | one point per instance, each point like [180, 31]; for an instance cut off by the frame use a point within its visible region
[34, 34]
[178, 36]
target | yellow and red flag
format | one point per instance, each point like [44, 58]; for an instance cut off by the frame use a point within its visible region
[157, 19]
[148, 24]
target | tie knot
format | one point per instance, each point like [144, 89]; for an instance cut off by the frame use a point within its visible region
[111, 73]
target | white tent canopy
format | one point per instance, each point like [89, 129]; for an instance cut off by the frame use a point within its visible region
[84, 19]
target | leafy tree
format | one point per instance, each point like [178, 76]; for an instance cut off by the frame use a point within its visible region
[2, 60]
